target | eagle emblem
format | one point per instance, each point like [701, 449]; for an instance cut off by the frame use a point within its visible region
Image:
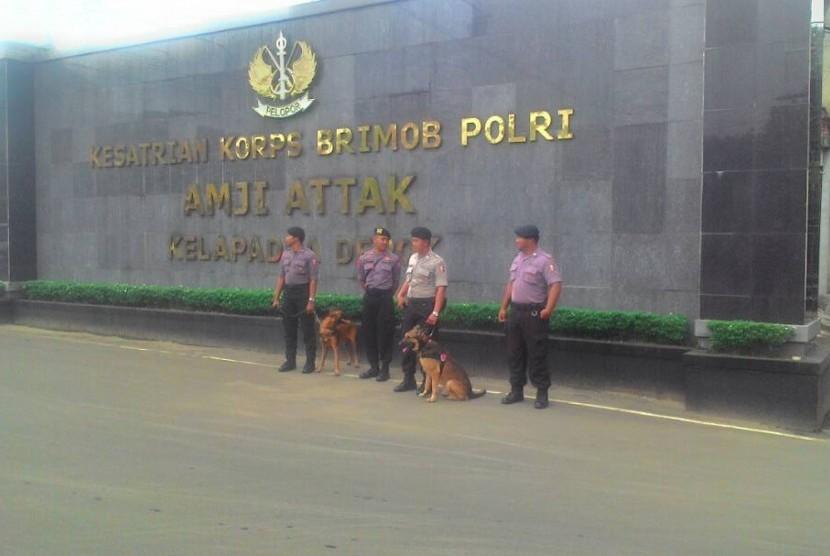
[282, 76]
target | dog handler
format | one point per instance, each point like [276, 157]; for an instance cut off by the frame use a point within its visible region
[421, 296]
[378, 272]
[298, 276]
[532, 292]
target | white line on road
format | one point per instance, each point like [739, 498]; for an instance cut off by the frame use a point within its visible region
[690, 421]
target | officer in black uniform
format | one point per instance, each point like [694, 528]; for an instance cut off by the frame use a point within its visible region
[298, 276]
[378, 271]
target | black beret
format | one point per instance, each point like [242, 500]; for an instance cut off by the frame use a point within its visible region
[527, 231]
[381, 231]
[421, 233]
[297, 232]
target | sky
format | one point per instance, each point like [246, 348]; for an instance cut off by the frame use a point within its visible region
[72, 26]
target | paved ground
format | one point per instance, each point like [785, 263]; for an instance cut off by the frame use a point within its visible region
[110, 446]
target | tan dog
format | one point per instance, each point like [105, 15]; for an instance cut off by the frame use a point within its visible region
[335, 330]
[440, 369]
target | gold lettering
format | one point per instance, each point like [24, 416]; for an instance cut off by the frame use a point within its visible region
[511, 130]
[319, 198]
[388, 139]
[295, 146]
[132, 156]
[431, 134]
[344, 252]
[396, 194]
[324, 144]
[470, 127]
[259, 146]
[120, 159]
[184, 152]
[171, 153]
[94, 153]
[191, 248]
[173, 251]
[143, 147]
[241, 208]
[488, 130]
[363, 130]
[106, 153]
[344, 184]
[192, 200]
[276, 145]
[274, 251]
[565, 129]
[200, 149]
[409, 128]
[220, 250]
[259, 198]
[296, 199]
[220, 197]
[343, 140]
[370, 196]
[243, 148]
[255, 251]
[540, 127]
[158, 153]
[238, 247]
[203, 255]
[225, 147]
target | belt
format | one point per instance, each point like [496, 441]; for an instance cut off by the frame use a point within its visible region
[421, 300]
[296, 286]
[527, 306]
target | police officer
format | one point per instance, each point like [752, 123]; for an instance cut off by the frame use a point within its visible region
[421, 296]
[298, 276]
[378, 271]
[532, 292]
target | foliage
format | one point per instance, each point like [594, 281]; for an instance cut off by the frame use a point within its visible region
[745, 336]
[584, 323]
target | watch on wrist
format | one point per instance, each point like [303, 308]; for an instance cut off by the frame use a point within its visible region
[434, 314]
[311, 299]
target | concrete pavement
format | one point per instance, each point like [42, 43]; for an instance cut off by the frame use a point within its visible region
[110, 446]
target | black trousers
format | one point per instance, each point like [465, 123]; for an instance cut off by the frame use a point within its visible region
[378, 326]
[527, 347]
[416, 312]
[295, 299]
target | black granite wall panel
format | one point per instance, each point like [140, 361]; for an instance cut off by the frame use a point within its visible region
[755, 166]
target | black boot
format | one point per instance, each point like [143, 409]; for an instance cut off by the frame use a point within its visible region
[383, 375]
[289, 365]
[541, 398]
[406, 385]
[372, 372]
[514, 396]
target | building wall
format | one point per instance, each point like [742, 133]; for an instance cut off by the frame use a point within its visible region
[619, 205]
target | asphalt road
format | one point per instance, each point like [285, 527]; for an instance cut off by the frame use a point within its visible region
[109, 446]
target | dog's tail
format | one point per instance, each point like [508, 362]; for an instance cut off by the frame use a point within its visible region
[474, 394]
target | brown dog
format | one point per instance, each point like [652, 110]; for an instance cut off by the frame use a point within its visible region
[440, 369]
[334, 330]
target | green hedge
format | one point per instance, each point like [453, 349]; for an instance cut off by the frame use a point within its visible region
[743, 336]
[583, 323]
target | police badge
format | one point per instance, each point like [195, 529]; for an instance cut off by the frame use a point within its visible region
[273, 75]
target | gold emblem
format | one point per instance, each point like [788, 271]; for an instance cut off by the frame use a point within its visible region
[275, 76]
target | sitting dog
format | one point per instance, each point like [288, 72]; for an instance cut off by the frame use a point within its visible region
[334, 330]
[440, 369]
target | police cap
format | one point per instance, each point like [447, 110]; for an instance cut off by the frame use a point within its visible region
[528, 231]
[381, 231]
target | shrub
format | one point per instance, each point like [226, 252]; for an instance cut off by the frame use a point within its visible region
[584, 323]
[746, 336]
